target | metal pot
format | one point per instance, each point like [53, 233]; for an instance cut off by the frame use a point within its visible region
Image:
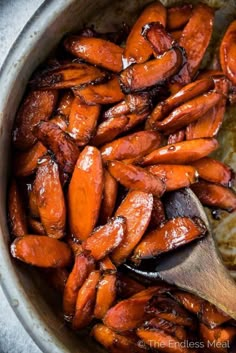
[35, 305]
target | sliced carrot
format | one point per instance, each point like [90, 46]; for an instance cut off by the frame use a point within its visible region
[176, 35]
[178, 136]
[110, 191]
[106, 238]
[36, 227]
[159, 39]
[169, 327]
[33, 203]
[178, 16]
[96, 51]
[127, 286]
[174, 176]
[137, 49]
[64, 105]
[106, 295]
[16, 211]
[219, 339]
[182, 152]
[158, 213]
[136, 208]
[116, 110]
[169, 236]
[56, 278]
[227, 52]
[107, 266]
[82, 121]
[135, 119]
[85, 193]
[41, 251]
[60, 121]
[36, 106]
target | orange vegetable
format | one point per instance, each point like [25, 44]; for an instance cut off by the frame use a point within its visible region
[127, 286]
[158, 213]
[227, 52]
[36, 227]
[219, 339]
[56, 278]
[64, 106]
[169, 327]
[106, 295]
[33, 205]
[135, 119]
[158, 38]
[176, 35]
[107, 266]
[110, 191]
[16, 211]
[178, 16]
[178, 136]
[60, 121]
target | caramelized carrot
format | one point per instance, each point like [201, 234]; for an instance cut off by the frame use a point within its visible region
[60, 143]
[41, 251]
[36, 106]
[219, 339]
[178, 136]
[116, 110]
[135, 119]
[85, 193]
[178, 16]
[56, 278]
[106, 295]
[169, 236]
[137, 49]
[36, 227]
[110, 191]
[33, 203]
[174, 176]
[82, 121]
[200, 28]
[176, 35]
[169, 327]
[50, 199]
[127, 286]
[64, 106]
[107, 266]
[16, 211]
[227, 52]
[134, 145]
[136, 208]
[159, 39]
[85, 301]
[96, 51]
[83, 265]
[182, 152]
[60, 121]
[214, 195]
[140, 76]
[158, 213]
[136, 178]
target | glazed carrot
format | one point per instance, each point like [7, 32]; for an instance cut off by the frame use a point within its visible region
[178, 136]
[75, 245]
[25, 163]
[83, 265]
[106, 238]
[110, 191]
[96, 51]
[85, 193]
[134, 145]
[135, 119]
[116, 110]
[41, 251]
[127, 286]
[65, 102]
[176, 35]
[36, 226]
[136, 178]
[174, 176]
[182, 152]
[196, 36]
[33, 203]
[85, 301]
[16, 211]
[158, 213]
[82, 121]
[214, 171]
[60, 143]
[158, 38]
[103, 93]
[219, 339]
[60, 121]
[107, 266]
[56, 278]
[106, 295]
[50, 199]
[169, 236]
[115, 342]
[188, 112]
[109, 129]
[140, 76]
[178, 16]
[36, 106]
[69, 76]
[214, 195]
[169, 327]
[182, 77]
[137, 49]
[187, 93]
[227, 52]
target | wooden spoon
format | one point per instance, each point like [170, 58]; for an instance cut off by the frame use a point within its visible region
[197, 267]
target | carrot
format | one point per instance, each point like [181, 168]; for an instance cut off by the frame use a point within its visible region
[178, 16]
[16, 211]
[56, 278]
[169, 327]
[110, 191]
[158, 214]
[60, 121]
[106, 295]
[65, 102]
[36, 226]
[177, 136]
[219, 339]
[127, 286]
[227, 52]
[158, 38]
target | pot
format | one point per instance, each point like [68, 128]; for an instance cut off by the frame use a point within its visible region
[34, 303]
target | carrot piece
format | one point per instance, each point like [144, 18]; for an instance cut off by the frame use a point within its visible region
[109, 129]
[96, 51]
[158, 214]
[103, 93]
[169, 327]
[169, 236]
[83, 265]
[118, 109]
[214, 195]
[115, 342]
[82, 121]
[127, 287]
[128, 314]
[140, 76]
[187, 93]
[136, 208]
[219, 339]
[50, 199]
[64, 105]
[33, 203]
[107, 266]
[176, 35]
[181, 152]
[227, 52]
[214, 171]
[135, 119]
[60, 143]
[134, 145]
[56, 278]
[110, 191]
[75, 245]
[178, 136]
[85, 301]
[41, 251]
[188, 112]
[60, 121]
[36, 227]
[36, 106]
[158, 38]
[16, 211]
[137, 49]
[106, 295]
[25, 163]
[136, 178]
[106, 238]
[174, 176]
[69, 76]
[85, 193]
[196, 36]
[178, 16]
